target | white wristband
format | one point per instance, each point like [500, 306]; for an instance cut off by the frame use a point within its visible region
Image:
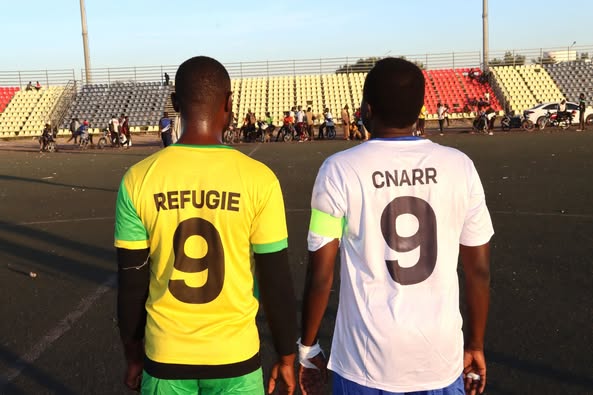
[308, 352]
[473, 376]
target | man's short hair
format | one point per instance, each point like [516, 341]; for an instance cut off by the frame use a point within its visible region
[200, 81]
[394, 89]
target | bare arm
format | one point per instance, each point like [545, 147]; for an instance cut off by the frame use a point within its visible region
[476, 266]
[318, 283]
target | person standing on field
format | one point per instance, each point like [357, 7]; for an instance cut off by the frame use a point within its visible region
[582, 108]
[187, 220]
[346, 122]
[401, 210]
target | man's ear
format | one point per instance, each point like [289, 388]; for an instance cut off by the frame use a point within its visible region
[369, 110]
[174, 101]
[366, 112]
[229, 102]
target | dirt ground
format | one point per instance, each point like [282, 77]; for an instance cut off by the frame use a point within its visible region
[56, 219]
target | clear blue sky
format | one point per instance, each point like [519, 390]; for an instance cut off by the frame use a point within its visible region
[47, 34]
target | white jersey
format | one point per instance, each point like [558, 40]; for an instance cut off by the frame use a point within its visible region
[441, 112]
[115, 123]
[405, 208]
[300, 116]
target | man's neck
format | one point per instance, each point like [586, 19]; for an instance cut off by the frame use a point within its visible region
[385, 133]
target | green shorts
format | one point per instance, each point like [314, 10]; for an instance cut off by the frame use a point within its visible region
[249, 384]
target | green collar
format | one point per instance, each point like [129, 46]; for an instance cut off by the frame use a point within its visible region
[202, 146]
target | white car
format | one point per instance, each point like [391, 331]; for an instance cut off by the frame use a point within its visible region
[537, 113]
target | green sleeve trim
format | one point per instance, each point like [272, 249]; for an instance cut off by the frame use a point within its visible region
[270, 247]
[324, 224]
[132, 245]
[128, 226]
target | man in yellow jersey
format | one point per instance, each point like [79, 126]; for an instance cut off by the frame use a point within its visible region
[420, 124]
[186, 308]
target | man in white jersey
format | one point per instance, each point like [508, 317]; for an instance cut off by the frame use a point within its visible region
[401, 209]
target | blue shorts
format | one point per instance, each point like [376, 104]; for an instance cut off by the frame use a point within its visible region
[341, 386]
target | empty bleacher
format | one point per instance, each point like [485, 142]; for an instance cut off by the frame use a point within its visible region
[525, 86]
[573, 78]
[278, 94]
[6, 95]
[40, 113]
[143, 102]
[27, 112]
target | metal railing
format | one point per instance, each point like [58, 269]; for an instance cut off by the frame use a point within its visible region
[45, 77]
[295, 67]
[57, 115]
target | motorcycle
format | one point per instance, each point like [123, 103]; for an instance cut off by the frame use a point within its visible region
[231, 135]
[264, 131]
[480, 124]
[562, 120]
[48, 143]
[329, 128]
[287, 131]
[112, 138]
[509, 122]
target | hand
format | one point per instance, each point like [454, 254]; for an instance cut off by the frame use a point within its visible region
[474, 361]
[282, 377]
[313, 381]
[133, 377]
[134, 351]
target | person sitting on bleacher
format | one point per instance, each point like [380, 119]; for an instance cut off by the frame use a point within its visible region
[29, 86]
[37, 86]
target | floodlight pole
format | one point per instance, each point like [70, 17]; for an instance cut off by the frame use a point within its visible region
[568, 52]
[85, 43]
[485, 34]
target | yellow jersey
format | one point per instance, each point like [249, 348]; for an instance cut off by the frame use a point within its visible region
[422, 114]
[200, 210]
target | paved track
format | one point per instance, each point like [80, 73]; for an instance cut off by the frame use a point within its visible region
[59, 334]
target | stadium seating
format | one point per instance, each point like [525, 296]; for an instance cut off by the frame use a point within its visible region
[525, 86]
[143, 102]
[5, 95]
[455, 89]
[278, 94]
[475, 89]
[27, 112]
[573, 78]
